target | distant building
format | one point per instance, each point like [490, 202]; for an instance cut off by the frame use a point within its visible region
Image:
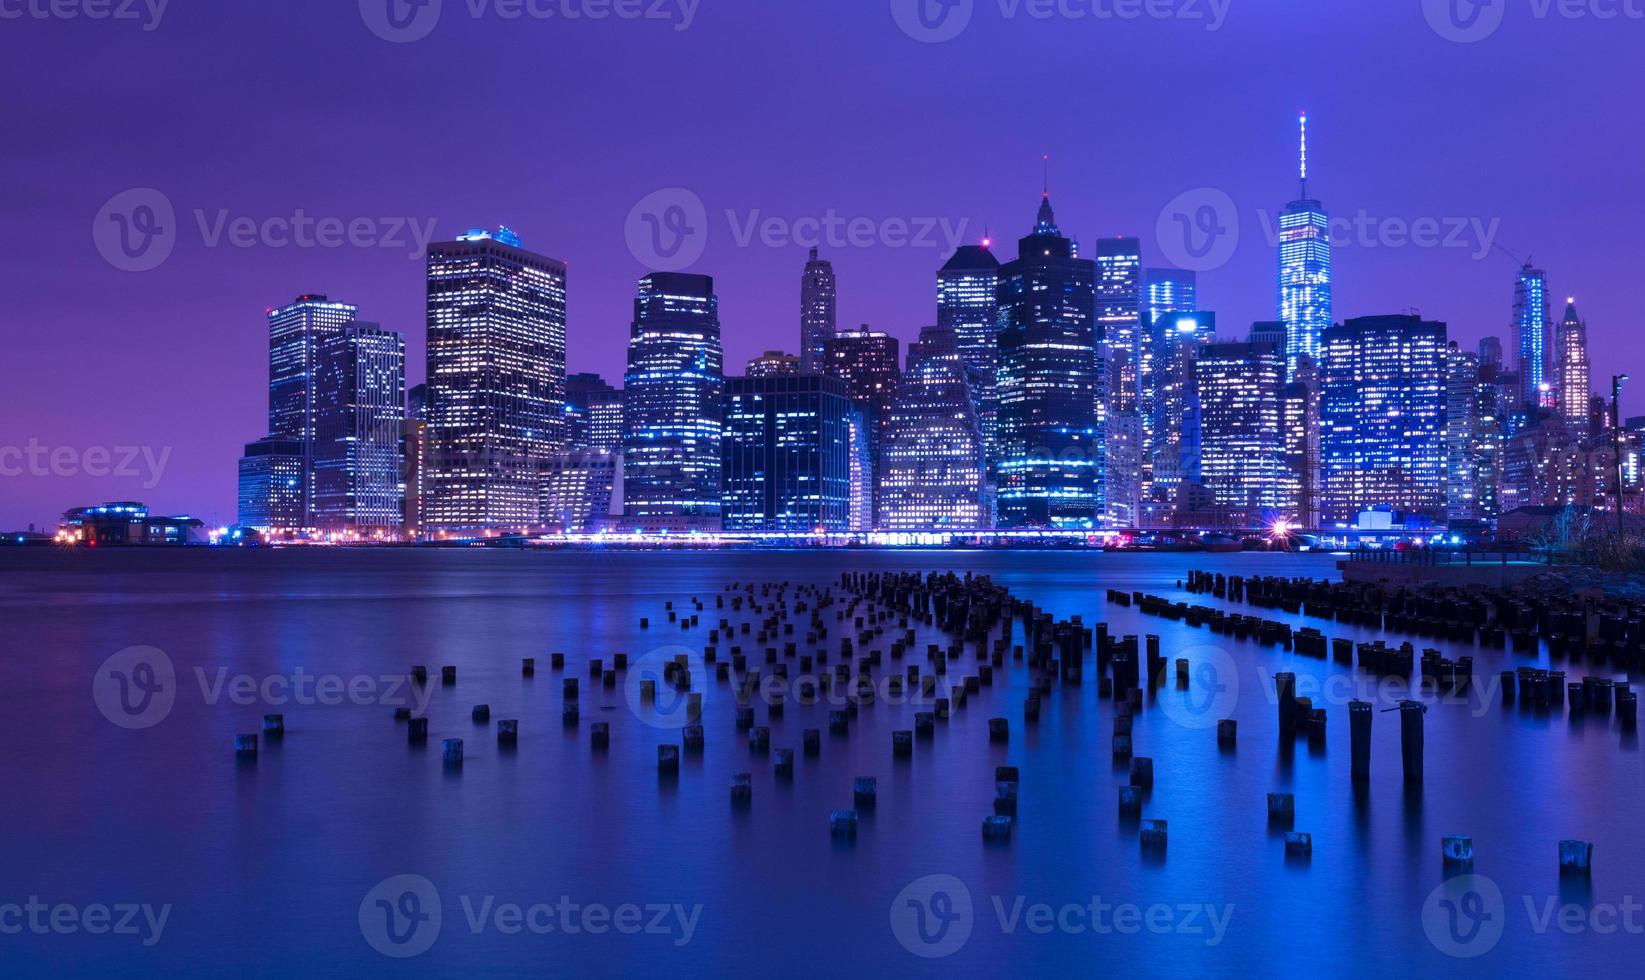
[1119, 298]
[1126, 451]
[271, 484]
[359, 425]
[787, 454]
[1573, 374]
[968, 304]
[414, 454]
[581, 490]
[1241, 390]
[417, 403]
[817, 311]
[1302, 446]
[673, 405]
[934, 464]
[868, 362]
[496, 377]
[127, 523]
[1531, 334]
[774, 364]
[295, 332]
[1304, 271]
[1176, 444]
[594, 414]
[1383, 413]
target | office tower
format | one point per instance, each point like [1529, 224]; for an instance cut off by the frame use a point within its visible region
[1383, 405]
[594, 413]
[295, 332]
[1301, 477]
[414, 460]
[417, 402]
[934, 466]
[360, 385]
[1488, 435]
[1242, 445]
[1176, 441]
[968, 304]
[1052, 450]
[861, 473]
[1119, 318]
[787, 454]
[1167, 291]
[672, 405]
[1126, 455]
[868, 362]
[1531, 335]
[578, 490]
[1268, 332]
[1304, 270]
[1574, 384]
[774, 364]
[496, 378]
[1462, 433]
[272, 478]
[1490, 352]
[817, 311]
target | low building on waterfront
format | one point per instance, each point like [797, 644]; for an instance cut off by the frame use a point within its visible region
[127, 523]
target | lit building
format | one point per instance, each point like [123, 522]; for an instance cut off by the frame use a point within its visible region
[1126, 451]
[1531, 334]
[496, 377]
[1304, 271]
[787, 454]
[1165, 291]
[414, 455]
[272, 477]
[934, 469]
[968, 304]
[1301, 478]
[773, 364]
[579, 489]
[127, 523]
[868, 361]
[1176, 441]
[672, 406]
[1119, 319]
[594, 413]
[417, 402]
[1462, 436]
[1383, 410]
[1241, 390]
[1052, 449]
[295, 332]
[1573, 379]
[817, 311]
[358, 471]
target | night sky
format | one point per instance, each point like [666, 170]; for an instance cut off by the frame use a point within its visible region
[768, 109]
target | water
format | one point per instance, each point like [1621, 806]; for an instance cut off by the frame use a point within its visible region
[265, 865]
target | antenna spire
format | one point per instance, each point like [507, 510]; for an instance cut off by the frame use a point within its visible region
[1045, 163]
[1303, 156]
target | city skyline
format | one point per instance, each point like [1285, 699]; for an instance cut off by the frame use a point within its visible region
[1399, 153]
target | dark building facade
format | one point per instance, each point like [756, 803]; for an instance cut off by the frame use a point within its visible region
[787, 454]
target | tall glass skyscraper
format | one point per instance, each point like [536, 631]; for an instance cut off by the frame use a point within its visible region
[295, 332]
[359, 474]
[968, 305]
[1176, 449]
[1531, 334]
[272, 478]
[934, 465]
[1304, 270]
[1119, 299]
[1052, 449]
[867, 361]
[672, 405]
[1383, 414]
[1167, 291]
[1241, 391]
[496, 378]
[594, 414]
[787, 454]
[817, 311]
[1575, 376]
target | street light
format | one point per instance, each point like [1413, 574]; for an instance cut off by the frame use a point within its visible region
[1617, 381]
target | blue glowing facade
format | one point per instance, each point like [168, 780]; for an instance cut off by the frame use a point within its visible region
[1531, 332]
[787, 454]
[1304, 271]
[968, 305]
[359, 472]
[295, 333]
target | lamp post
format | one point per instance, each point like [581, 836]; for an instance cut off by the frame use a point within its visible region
[1617, 381]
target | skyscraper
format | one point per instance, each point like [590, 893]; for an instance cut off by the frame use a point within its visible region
[358, 474]
[934, 465]
[1242, 445]
[1167, 291]
[578, 488]
[1531, 334]
[1119, 297]
[594, 414]
[1304, 270]
[1302, 444]
[496, 377]
[1176, 445]
[672, 405]
[1462, 434]
[772, 364]
[867, 361]
[817, 311]
[1052, 450]
[1574, 379]
[787, 453]
[271, 482]
[1383, 409]
[968, 304]
[295, 332]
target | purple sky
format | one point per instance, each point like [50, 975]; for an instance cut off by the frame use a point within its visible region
[559, 127]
